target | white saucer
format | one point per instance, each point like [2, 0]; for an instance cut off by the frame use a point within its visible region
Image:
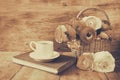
[48, 59]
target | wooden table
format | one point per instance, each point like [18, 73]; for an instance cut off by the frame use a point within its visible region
[13, 71]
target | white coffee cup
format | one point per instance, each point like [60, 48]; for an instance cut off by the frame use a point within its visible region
[42, 49]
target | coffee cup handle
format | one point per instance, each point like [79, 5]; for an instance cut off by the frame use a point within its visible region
[31, 45]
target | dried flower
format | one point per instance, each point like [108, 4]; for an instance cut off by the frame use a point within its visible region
[101, 61]
[85, 61]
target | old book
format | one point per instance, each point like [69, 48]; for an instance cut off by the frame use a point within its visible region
[56, 66]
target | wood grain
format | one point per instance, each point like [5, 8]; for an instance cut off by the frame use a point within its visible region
[75, 74]
[22, 21]
[112, 76]
[7, 68]
[27, 73]
[11, 71]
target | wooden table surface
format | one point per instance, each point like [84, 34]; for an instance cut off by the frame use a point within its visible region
[13, 71]
[24, 20]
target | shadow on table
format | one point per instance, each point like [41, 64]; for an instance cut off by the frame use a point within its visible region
[116, 55]
[73, 70]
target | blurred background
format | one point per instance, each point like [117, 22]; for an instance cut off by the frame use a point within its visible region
[22, 21]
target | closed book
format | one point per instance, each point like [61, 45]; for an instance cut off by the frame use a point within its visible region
[56, 66]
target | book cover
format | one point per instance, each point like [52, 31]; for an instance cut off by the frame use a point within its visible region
[56, 66]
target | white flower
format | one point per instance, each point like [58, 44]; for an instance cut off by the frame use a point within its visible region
[93, 22]
[103, 62]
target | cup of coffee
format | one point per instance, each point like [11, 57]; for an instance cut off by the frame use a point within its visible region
[41, 49]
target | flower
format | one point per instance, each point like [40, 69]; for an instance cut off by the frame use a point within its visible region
[103, 62]
[85, 61]
[93, 22]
